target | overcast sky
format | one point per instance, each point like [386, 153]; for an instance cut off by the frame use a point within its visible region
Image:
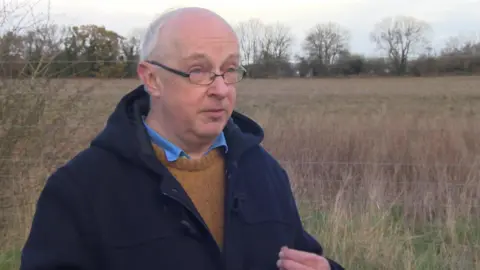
[446, 17]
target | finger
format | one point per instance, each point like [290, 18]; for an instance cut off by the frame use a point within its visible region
[311, 260]
[285, 264]
[297, 255]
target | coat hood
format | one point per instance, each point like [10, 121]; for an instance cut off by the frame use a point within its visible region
[125, 136]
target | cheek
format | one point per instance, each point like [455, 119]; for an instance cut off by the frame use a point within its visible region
[191, 103]
[184, 103]
[232, 96]
[185, 95]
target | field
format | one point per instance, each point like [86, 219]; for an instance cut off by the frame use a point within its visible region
[386, 171]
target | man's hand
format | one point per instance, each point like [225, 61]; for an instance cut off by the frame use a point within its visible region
[291, 259]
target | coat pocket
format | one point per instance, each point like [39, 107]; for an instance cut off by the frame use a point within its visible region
[266, 229]
[143, 244]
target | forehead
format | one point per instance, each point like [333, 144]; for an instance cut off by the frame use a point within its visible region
[203, 36]
[192, 49]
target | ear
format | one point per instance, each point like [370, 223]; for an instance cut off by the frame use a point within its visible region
[150, 79]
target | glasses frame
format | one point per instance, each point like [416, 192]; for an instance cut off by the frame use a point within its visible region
[213, 76]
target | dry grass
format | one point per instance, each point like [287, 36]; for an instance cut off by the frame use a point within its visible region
[386, 170]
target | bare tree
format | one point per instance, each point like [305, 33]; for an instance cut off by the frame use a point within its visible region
[33, 111]
[275, 45]
[19, 15]
[130, 49]
[401, 37]
[131, 45]
[461, 45]
[249, 34]
[41, 46]
[276, 41]
[325, 42]
[265, 48]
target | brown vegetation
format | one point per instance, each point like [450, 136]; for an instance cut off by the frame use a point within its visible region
[385, 170]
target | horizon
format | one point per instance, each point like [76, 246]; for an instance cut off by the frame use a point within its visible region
[446, 18]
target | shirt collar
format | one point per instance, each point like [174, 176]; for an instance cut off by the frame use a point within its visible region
[173, 152]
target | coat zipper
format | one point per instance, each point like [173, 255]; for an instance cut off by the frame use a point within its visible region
[228, 201]
[227, 206]
[197, 217]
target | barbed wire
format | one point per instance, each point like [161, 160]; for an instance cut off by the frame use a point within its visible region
[308, 162]
[379, 61]
[357, 129]
[380, 163]
[330, 204]
[282, 61]
[316, 203]
[67, 61]
[113, 61]
[42, 95]
[374, 181]
[316, 180]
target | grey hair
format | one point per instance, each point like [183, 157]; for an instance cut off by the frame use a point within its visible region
[148, 42]
[150, 37]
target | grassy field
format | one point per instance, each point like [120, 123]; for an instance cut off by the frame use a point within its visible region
[385, 171]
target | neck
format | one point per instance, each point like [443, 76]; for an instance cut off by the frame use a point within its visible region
[195, 148]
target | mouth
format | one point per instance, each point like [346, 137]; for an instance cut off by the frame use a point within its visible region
[215, 112]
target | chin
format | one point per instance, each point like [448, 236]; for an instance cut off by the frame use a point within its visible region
[212, 129]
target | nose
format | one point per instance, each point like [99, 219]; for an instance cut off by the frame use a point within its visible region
[219, 87]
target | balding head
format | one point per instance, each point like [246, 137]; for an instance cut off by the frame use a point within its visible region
[165, 32]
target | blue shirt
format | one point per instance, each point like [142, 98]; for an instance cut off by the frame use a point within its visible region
[173, 152]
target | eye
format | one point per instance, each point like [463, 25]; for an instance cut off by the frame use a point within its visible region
[197, 69]
[232, 69]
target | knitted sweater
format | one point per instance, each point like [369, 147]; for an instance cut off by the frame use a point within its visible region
[204, 182]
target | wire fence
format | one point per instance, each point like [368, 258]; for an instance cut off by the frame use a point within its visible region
[351, 182]
[317, 204]
[325, 173]
[331, 188]
[464, 164]
[68, 61]
[273, 68]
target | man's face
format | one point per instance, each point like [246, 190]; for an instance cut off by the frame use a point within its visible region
[199, 110]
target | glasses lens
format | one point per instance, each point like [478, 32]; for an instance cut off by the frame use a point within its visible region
[234, 76]
[206, 78]
[202, 78]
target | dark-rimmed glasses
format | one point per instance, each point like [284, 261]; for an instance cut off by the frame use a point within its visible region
[206, 78]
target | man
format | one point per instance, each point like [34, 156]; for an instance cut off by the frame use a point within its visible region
[177, 179]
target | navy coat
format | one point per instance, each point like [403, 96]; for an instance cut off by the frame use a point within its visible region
[114, 206]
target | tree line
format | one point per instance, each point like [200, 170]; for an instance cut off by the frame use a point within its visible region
[52, 50]
[404, 42]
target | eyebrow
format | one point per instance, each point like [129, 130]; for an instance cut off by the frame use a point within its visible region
[195, 56]
[234, 56]
[201, 56]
